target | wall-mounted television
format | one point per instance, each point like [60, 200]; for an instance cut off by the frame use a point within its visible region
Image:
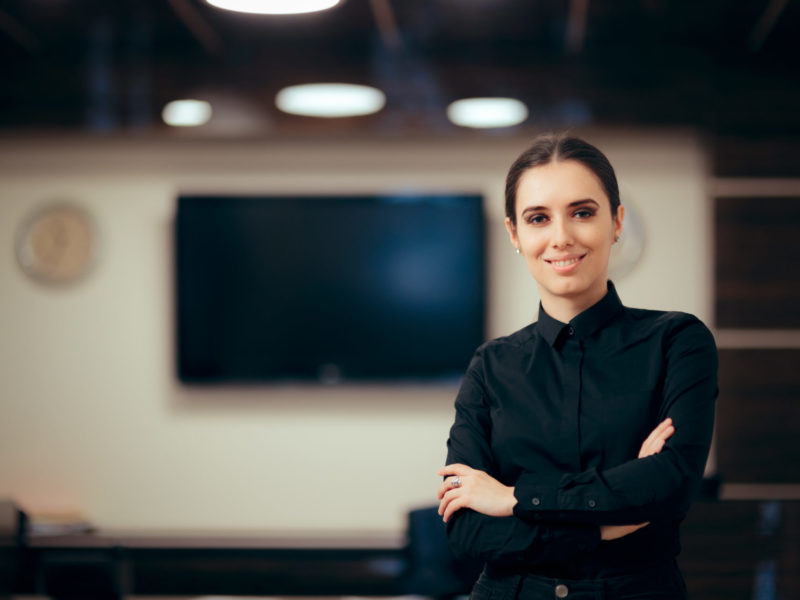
[328, 288]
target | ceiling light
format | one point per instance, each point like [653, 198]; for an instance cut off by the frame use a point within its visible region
[274, 7]
[330, 100]
[186, 113]
[487, 112]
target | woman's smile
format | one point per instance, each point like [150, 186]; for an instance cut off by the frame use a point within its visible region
[564, 265]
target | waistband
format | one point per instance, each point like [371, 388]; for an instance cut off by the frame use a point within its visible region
[662, 580]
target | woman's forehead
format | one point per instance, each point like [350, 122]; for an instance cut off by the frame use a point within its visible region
[559, 182]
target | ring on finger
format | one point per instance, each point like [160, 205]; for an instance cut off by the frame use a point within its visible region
[455, 481]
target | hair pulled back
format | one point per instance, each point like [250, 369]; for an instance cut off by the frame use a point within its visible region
[549, 148]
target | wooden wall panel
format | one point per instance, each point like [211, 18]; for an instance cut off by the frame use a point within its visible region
[740, 550]
[755, 155]
[757, 248]
[758, 416]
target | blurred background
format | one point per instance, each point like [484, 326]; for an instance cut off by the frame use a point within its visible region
[695, 105]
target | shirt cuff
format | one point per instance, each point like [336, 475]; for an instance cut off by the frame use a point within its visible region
[540, 496]
[534, 495]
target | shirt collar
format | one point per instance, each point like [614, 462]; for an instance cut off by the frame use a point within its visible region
[587, 322]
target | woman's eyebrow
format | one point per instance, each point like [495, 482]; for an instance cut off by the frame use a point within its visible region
[570, 205]
[584, 201]
[528, 209]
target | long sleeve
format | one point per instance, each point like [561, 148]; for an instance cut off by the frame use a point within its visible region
[508, 539]
[512, 540]
[659, 487]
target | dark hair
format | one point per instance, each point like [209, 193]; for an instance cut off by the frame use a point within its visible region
[548, 148]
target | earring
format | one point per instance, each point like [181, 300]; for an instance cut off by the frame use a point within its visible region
[616, 239]
[517, 249]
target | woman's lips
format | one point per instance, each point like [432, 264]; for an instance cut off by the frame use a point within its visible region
[565, 265]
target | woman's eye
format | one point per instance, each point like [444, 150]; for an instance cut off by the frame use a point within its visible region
[537, 219]
[584, 213]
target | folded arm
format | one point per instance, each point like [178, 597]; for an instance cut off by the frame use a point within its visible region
[515, 541]
[659, 486]
[480, 494]
[492, 537]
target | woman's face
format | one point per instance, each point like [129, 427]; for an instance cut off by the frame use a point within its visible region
[565, 231]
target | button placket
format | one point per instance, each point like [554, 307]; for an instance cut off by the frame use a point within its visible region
[572, 355]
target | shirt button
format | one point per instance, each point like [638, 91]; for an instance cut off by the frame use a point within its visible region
[592, 503]
[571, 331]
[561, 591]
[536, 501]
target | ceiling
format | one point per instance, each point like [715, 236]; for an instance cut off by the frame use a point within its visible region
[109, 66]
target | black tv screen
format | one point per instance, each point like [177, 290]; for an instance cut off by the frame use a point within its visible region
[340, 288]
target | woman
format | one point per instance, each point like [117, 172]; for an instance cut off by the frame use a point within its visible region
[580, 439]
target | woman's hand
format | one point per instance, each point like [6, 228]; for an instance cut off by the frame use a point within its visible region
[652, 445]
[657, 438]
[478, 490]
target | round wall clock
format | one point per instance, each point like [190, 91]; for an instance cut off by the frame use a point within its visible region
[626, 253]
[57, 244]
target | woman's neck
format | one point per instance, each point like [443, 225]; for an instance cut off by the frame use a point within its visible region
[566, 308]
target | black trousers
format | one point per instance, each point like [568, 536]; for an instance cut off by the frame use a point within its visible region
[662, 582]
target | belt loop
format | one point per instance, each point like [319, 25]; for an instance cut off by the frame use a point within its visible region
[603, 591]
[517, 585]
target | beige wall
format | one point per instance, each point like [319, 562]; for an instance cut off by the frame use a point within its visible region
[92, 417]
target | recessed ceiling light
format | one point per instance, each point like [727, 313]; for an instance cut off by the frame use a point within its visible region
[186, 113]
[487, 112]
[274, 7]
[330, 100]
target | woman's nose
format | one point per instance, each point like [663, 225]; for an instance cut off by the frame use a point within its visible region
[561, 234]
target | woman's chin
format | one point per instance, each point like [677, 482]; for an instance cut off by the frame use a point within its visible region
[575, 289]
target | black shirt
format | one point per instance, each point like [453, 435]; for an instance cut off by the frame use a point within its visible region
[560, 410]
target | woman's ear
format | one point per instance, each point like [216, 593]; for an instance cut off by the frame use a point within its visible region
[512, 233]
[618, 219]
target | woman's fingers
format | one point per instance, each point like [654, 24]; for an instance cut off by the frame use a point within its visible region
[454, 499]
[445, 508]
[657, 438]
[660, 429]
[455, 504]
[455, 469]
[451, 472]
[445, 487]
[654, 446]
[451, 496]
